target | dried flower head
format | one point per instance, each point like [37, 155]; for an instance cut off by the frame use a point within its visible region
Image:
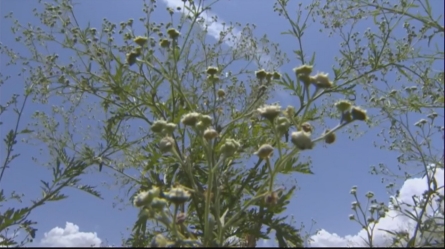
[303, 70]
[301, 140]
[343, 105]
[191, 119]
[173, 33]
[358, 114]
[322, 81]
[158, 126]
[140, 40]
[212, 70]
[261, 74]
[210, 134]
[177, 195]
[221, 93]
[269, 112]
[329, 137]
[166, 144]
[165, 43]
[265, 151]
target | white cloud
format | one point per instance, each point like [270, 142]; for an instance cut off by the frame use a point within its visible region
[70, 236]
[215, 28]
[393, 220]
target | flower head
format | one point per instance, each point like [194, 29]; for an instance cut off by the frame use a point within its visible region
[166, 144]
[191, 119]
[269, 112]
[210, 134]
[221, 93]
[131, 58]
[230, 147]
[329, 137]
[322, 81]
[177, 195]
[165, 43]
[158, 125]
[212, 70]
[261, 74]
[173, 33]
[343, 105]
[303, 70]
[358, 114]
[301, 140]
[140, 40]
[265, 151]
[271, 198]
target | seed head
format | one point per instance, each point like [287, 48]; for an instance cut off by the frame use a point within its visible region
[140, 40]
[173, 33]
[261, 74]
[166, 144]
[322, 81]
[265, 151]
[301, 140]
[329, 138]
[210, 134]
[212, 70]
[191, 119]
[358, 114]
[303, 70]
[269, 112]
[343, 105]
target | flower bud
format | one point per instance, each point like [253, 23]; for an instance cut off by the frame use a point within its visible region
[303, 70]
[358, 114]
[158, 126]
[177, 195]
[173, 33]
[329, 137]
[261, 74]
[221, 93]
[212, 70]
[343, 105]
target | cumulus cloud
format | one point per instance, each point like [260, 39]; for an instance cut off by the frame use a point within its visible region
[70, 236]
[393, 221]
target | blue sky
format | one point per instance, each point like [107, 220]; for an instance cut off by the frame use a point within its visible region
[323, 196]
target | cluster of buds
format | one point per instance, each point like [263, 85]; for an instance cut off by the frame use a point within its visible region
[152, 199]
